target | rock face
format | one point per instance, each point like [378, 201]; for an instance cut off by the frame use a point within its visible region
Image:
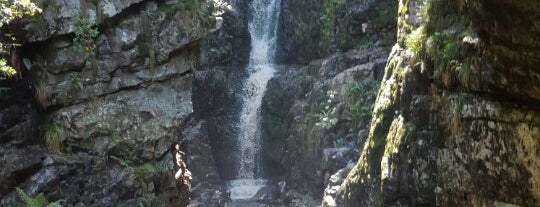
[311, 116]
[456, 118]
[18, 128]
[109, 112]
[316, 110]
[217, 85]
[206, 184]
[312, 29]
[294, 92]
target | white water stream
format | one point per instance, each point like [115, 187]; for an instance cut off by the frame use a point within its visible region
[263, 30]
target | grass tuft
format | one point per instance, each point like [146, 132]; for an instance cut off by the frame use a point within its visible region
[41, 91]
[52, 135]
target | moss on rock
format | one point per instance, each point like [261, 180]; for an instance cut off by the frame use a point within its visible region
[450, 126]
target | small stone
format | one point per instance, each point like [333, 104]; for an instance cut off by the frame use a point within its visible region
[438, 190]
[48, 161]
[470, 40]
[151, 187]
[329, 201]
[422, 142]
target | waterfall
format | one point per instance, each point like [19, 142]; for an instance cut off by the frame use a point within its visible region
[263, 30]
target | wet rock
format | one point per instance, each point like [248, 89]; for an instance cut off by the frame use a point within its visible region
[71, 179]
[20, 156]
[206, 194]
[215, 99]
[227, 45]
[217, 104]
[299, 34]
[287, 86]
[200, 159]
[207, 190]
[268, 193]
[296, 199]
[211, 132]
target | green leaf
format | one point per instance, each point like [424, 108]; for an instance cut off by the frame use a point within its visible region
[79, 85]
[24, 197]
[56, 203]
[39, 200]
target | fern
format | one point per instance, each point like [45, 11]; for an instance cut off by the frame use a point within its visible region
[56, 203]
[38, 201]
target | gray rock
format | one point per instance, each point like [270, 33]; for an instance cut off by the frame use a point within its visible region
[293, 101]
[200, 161]
[119, 108]
[268, 192]
[205, 194]
[58, 17]
[329, 198]
[21, 163]
[438, 138]
[304, 36]
[335, 158]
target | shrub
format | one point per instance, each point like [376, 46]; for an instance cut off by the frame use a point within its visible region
[445, 28]
[415, 40]
[321, 116]
[9, 11]
[386, 17]
[327, 116]
[338, 140]
[85, 32]
[360, 99]
[6, 71]
[446, 56]
[328, 18]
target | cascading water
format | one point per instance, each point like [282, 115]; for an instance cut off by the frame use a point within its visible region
[263, 30]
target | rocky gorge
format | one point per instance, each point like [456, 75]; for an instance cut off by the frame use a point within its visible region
[370, 103]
